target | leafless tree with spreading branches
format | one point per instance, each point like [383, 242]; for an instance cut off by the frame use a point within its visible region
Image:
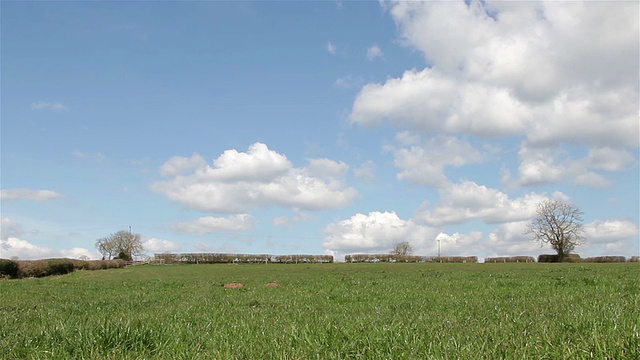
[402, 248]
[559, 224]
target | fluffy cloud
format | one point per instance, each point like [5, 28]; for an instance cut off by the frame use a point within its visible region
[430, 101]
[44, 105]
[540, 166]
[178, 165]
[535, 49]
[610, 231]
[24, 250]
[509, 239]
[608, 159]
[424, 163]
[260, 177]
[467, 200]
[553, 73]
[28, 194]
[458, 244]
[155, 245]
[375, 232]
[209, 224]
[77, 253]
[544, 165]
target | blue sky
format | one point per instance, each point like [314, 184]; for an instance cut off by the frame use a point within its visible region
[317, 127]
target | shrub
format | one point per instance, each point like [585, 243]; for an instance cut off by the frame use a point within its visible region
[60, 266]
[553, 258]
[33, 268]
[80, 264]
[8, 268]
[114, 264]
[634, 259]
[102, 264]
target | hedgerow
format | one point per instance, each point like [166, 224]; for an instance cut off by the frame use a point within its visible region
[605, 259]
[60, 266]
[554, 258]
[510, 259]
[8, 268]
[48, 267]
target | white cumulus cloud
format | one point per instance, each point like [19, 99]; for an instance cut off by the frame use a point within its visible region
[610, 231]
[424, 163]
[156, 245]
[554, 74]
[180, 164]
[374, 232]
[24, 250]
[467, 200]
[509, 239]
[260, 177]
[551, 164]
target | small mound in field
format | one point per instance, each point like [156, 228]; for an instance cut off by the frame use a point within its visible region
[273, 284]
[233, 285]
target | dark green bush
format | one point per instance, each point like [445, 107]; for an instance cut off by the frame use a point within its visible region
[60, 266]
[553, 258]
[8, 268]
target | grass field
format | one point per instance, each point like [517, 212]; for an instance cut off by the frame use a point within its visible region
[327, 311]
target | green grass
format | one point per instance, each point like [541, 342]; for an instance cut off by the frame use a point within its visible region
[327, 311]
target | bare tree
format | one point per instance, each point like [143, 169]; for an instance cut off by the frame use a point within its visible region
[402, 248]
[559, 224]
[121, 245]
[106, 248]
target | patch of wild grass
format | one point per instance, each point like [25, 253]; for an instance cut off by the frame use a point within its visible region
[430, 311]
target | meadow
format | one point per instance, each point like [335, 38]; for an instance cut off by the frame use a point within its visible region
[326, 311]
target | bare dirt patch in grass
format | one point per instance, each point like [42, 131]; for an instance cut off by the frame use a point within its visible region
[233, 285]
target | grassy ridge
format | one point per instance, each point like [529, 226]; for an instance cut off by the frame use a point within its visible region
[371, 311]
